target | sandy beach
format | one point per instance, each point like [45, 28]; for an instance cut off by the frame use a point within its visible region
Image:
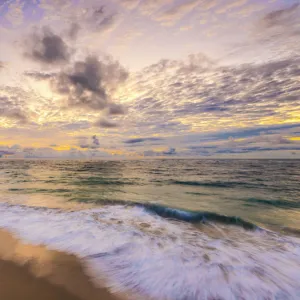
[30, 272]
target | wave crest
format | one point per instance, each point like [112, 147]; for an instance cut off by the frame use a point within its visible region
[162, 258]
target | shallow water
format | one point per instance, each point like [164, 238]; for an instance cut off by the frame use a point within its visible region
[165, 229]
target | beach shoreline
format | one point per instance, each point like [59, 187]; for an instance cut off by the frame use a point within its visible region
[30, 272]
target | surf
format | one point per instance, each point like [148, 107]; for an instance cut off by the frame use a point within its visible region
[157, 252]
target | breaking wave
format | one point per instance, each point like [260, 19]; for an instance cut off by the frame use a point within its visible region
[154, 251]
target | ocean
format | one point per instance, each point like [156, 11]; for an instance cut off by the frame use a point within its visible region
[165, 228]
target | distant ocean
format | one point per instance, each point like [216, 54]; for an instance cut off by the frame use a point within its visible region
[165, 229]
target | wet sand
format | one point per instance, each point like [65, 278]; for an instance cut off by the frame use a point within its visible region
[17, 283]
[30, 272]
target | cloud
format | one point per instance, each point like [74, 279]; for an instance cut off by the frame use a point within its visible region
[232, 4]
[172, 98]
[196, 62]
[250, 9]
[15, 114]
[85, 142]
[216, 103]
[186, 28]
[129, 4]
[73, 31]
[274, 32]
[108, 22]
[3, 152]
[39, 75]
[208, 4]
[145, 7]
[66, 126]
[101, 19]
[10, 107]
[127, 37]
[263, 142]
[105, 123]
[55, 4]
[95, 140]
[46, 47]
[116, 109]
[281, 16]
[168, 152]
[268, 141]
[84, 16]
[210, 97]
[57, 10]
[192, 63]
[177, 12]
[90, 83]
[278, 30]
[276, 136]
[12, 13]
[255, 149]
[271, 138]
[148, 7]
[256, 133]
[141, 140]
[99, 11]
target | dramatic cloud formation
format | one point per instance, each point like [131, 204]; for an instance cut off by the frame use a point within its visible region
[12, 106]
[14, 114]
[206, 78]
[90, 83]
[47, 47]
[87, 84]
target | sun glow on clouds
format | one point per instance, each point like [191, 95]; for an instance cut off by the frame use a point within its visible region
[295, 138]
[99, 79]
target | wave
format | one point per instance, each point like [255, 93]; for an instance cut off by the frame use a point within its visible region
[102, 181]
[214, 184]
[199, 194]
[159, 258]
[200, 183]
[183, 215]
[197, 216]
[276, 203]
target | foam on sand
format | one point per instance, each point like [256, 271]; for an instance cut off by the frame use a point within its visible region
[143, 253]
[32, 272]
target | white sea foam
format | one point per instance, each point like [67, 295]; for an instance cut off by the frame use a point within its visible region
[164, 259]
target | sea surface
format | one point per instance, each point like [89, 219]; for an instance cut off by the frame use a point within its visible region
[165, 229]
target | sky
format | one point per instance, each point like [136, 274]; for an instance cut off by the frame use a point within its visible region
[150, 78]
